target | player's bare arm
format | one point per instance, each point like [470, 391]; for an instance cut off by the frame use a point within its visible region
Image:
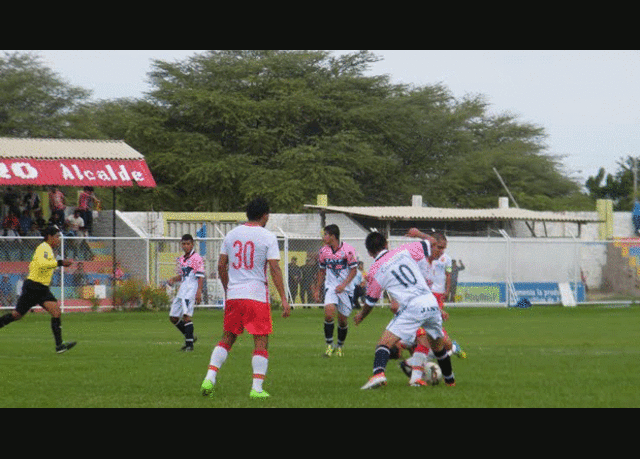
[415, 232]
[319, 285]
[276, 276]
[223, 270]
[364, 312]
[199, 291]
[352, 273]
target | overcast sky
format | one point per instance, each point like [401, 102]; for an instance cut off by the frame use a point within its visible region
[588, 102]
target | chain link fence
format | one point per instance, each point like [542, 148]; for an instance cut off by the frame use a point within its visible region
[127, 272]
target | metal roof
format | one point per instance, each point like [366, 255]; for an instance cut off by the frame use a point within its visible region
[447, 214]
[66, 149]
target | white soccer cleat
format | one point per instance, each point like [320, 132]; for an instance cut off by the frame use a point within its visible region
[376, 381]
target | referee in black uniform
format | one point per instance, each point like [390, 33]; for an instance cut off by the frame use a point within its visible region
[35, 290]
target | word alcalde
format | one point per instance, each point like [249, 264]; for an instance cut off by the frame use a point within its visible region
[107, 174]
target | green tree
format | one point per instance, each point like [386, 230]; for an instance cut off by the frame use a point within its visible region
[223, 126]
[618, 187]
[34, 101]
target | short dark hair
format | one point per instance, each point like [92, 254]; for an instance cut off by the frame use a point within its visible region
[51, 230]
[375, 242]
[257, 208]
[187, 237]
[439, 236]
[333, 230]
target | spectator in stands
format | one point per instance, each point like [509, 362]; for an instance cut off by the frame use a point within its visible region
[309, 276]
[455, 268]
[38, 220]
[25, 222]
[87, 201]
[57, 203]
[295, 277]
[55, 220]
[34, 231]
[11, 224]
[74, 227]
[30, 241]
[7, 297]
[31, 201]
[10, 200]
[75, 224]
[79, 279]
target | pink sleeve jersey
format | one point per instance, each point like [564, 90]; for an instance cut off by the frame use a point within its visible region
[190, 268]
[248, 248]
[400, 273]
[337, 265]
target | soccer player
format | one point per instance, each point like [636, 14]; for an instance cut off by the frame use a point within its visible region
[35, 290]
[246, 252]
[338, 266]
[398, 272]
[190, 269]
[438, 276]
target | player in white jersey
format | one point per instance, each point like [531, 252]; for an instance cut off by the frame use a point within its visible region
[246, 252]
[338, 266]
[398, 272]
[438, 276]
[190, 272]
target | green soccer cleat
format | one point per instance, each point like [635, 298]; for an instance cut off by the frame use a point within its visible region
[339, 352]
[329, 351]
[458, 351]
[207, 388]
[255, 394]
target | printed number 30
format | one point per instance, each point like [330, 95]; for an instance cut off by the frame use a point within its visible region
[244, 255]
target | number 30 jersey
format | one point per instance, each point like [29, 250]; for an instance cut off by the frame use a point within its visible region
[398, 272]
[249, 247]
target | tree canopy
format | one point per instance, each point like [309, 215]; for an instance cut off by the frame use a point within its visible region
[221, 127]
[618, 186]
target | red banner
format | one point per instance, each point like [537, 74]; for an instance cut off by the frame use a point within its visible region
[70, 172]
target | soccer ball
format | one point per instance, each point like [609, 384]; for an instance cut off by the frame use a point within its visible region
[432, 373]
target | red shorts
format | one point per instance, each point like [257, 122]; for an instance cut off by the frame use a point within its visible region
[241, 314]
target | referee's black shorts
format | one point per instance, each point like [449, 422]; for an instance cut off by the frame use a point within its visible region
[33, 293]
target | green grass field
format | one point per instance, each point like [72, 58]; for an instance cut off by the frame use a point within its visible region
[539, 357]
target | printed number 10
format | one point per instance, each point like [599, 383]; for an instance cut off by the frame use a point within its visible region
[244, 255]
[406, 276]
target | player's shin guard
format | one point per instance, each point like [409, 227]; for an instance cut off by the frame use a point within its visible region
[218, 357]
[417, 361]
[444, 361]
[380, 359]
[342, 335]
[180, 326]
[56, 328]
[188, 333]
[328, 332]
[259, 364]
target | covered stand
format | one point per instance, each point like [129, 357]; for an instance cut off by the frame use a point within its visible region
[73, 163]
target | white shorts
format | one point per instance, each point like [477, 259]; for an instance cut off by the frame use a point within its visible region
[422, 312]
[341, 300]
[182, 307]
